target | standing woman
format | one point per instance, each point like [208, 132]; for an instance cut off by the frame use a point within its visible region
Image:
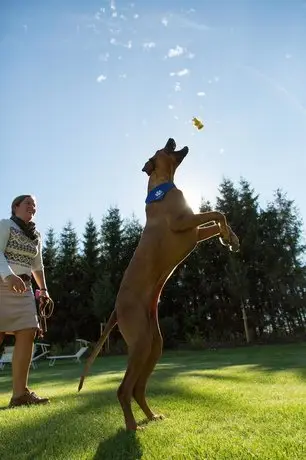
[20, 257]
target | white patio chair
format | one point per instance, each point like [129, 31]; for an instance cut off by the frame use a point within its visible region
[42, 350]
[75, 357]
[7, 357]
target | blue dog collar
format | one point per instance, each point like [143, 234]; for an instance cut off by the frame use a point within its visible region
[159, 192]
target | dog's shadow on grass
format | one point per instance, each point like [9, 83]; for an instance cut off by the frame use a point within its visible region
[123, 445]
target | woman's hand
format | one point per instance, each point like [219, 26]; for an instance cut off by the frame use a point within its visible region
[44, 293]
[45, 311]
[15, 283]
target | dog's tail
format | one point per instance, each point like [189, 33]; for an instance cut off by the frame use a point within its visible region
[111, 323]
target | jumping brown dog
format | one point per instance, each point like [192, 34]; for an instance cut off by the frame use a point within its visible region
[171, 232]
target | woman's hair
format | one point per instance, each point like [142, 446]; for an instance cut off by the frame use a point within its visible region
[16, 202]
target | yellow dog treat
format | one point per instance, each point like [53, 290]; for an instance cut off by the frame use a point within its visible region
[197, 123]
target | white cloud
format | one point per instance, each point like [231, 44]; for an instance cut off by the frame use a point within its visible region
[190, 55]
[288, 56]
[187, 23]
[216, 79]
[170, 107]
[221, 151]
[183, 72]
[164, 22]
[174, 52]
[112, 5]
[128, 45]
[177, 86]
[123, 75]
[201, 93]
[101, 78]
[176, 117]
[113, 41]
[180, 73]
[149, 45]
[136, 16]
[104, 57]
[25, 28]
[114, 14]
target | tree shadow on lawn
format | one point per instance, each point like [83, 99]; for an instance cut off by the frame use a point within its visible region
[63, 372]
[89, 419]
[97, 413]
[271, 358]
[262, 358]
[56, 423]
[197, 365]
[267, 359]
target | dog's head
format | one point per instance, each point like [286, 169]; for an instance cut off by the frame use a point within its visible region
[166, 158]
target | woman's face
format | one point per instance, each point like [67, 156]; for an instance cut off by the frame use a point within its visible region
[26, 209]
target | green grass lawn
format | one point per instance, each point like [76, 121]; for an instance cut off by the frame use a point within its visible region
[247, 403]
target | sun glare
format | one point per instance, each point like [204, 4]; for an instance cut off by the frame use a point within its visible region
[193, 198]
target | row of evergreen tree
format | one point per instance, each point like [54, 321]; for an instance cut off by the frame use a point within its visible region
[208, 295]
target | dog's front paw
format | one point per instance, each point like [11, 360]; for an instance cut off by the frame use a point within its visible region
[231, 240]
[223, 241]
[234, 241]
[234, 247]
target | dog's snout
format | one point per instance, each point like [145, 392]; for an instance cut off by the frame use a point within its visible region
[180, 154]
[185, 150]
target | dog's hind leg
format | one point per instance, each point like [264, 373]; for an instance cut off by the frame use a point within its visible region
[139, 391]
[138, 355]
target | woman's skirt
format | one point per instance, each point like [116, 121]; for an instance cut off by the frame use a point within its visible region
[17, 311]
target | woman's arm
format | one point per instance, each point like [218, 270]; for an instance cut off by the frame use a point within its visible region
[5, 269]
[39, 276]
[38, 268]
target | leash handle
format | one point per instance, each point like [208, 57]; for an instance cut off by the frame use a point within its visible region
[45, 311]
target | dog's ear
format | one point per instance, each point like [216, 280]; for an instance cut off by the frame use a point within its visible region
[171, 145]
[148, 167]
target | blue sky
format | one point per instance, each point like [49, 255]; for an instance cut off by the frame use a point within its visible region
[90, 89]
